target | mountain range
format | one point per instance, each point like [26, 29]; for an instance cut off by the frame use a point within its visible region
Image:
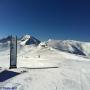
[69, 46]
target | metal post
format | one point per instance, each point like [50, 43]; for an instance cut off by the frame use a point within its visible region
[13, 52]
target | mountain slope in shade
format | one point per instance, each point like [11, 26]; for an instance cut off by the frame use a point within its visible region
[5, 43]
[4, 40]
[28, 40]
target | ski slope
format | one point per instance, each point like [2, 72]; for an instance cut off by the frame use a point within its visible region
[46, 68]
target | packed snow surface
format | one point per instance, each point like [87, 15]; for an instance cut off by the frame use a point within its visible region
[51, 65]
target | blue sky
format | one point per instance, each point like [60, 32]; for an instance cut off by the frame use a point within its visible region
[44, 19]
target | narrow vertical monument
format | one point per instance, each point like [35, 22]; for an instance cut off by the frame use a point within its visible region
[13, 52]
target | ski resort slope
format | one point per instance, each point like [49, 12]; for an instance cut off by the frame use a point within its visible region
[45, 68]
[51, 65]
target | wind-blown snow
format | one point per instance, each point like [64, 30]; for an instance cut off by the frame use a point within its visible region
[48, 66]
[75, 47]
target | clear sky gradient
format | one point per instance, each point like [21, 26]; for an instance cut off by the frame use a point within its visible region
[44, 19]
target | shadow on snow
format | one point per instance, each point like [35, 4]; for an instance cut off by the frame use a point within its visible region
[5, 75]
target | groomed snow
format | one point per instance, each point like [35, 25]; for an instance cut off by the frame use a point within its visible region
[46, 68]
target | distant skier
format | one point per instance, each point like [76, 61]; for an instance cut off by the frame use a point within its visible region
[38, 56]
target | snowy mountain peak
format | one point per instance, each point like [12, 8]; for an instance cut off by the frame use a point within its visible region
[28, 40]
[25, 37]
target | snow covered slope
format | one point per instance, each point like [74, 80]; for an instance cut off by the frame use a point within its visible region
[74, 47]
[46, 66]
